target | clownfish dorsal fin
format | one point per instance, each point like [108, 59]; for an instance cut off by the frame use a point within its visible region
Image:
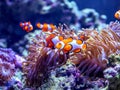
[70, 39]
[84, 46]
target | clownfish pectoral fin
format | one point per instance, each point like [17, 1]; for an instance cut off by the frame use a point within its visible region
[38, 25]
[79, 42]
[84, 46]
[77, 50]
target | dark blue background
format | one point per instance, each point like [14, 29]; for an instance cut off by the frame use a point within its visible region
[107, 7]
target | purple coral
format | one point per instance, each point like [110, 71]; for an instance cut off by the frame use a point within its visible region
[8, 63]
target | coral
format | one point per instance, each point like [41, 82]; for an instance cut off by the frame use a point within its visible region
[23, 45]
[114, 83]
[91, 19]
[9, 61]
[112, 73]
[3, 43]
[7, 66]
[6, 70]
[15, 83]
[114, 59]
[68, 77]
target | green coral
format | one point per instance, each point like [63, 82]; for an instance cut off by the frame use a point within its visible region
[114, 59]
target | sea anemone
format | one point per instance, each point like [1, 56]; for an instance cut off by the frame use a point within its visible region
[42, 59]
[40, 62]
[115, 26]
[99, 46]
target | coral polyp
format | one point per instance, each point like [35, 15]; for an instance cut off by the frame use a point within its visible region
[9, 62]
[7, 70]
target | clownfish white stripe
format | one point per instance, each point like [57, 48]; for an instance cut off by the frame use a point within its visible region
[55, 40]
[41, 26]
[75, 45]
[49, 27]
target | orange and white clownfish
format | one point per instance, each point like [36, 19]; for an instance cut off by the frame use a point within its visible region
[46, 27]
[27, 26]
[71, 45]
[52, 40]
[117, 15]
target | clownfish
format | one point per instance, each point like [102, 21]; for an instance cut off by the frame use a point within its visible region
[70, 45]
[46, 27]
[117, 15]
[27, 26]
[52, 40]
